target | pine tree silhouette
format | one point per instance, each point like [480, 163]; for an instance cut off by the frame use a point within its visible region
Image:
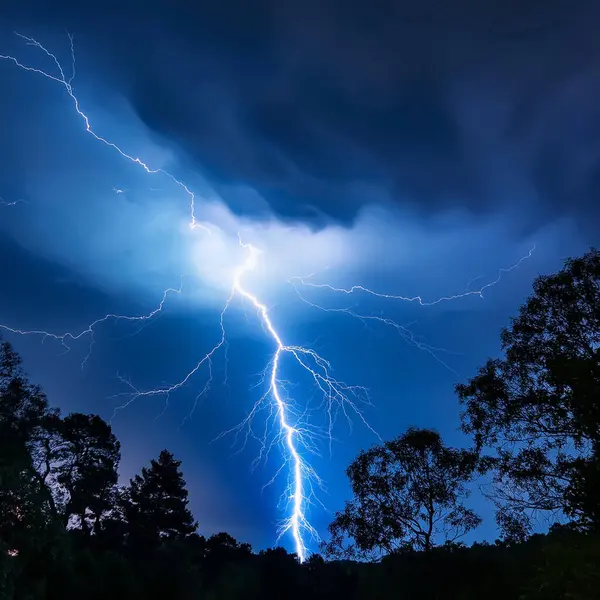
[155, 503]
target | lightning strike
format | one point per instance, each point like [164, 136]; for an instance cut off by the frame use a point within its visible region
[67, 84]
[403, 330]
[4, 202]
[294, 432]
[305, 281]
[66, 338]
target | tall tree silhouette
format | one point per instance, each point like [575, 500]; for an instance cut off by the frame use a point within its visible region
[90, 456]
[408, 493]
[26, 515]
[23, 411]
[156, 503]
[539, 407]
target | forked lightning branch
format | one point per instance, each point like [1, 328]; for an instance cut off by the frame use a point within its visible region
[291, 429]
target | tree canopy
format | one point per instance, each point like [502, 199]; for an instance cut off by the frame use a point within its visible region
[407, 493]
[538, 407]
[156, 502]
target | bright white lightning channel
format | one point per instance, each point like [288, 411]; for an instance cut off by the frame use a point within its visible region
[295, 434]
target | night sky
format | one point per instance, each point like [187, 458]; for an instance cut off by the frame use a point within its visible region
[406, 146]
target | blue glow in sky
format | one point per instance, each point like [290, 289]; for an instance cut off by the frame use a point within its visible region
[333, 156]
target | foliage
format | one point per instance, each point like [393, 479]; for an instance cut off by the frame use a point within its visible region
[407, 493]
[155, 503]
[88, 469]
[538, 407]
[567, 567]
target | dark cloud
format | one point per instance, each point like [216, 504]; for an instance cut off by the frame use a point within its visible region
[475, 105]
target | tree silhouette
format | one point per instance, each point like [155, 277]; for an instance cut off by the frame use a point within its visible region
[23, 410]
[155, 503]
[88, 471]
[25, 501]
[407, 493]
[538, 407]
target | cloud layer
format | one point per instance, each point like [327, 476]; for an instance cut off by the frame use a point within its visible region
[488, 108]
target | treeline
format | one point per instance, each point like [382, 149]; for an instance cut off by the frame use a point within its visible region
[68, 530]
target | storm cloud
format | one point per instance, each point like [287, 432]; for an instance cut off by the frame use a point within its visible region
[492, 107]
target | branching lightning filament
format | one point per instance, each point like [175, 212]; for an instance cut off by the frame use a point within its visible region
[296, 436]
[294, 432]
[67, 84]
[4, 202]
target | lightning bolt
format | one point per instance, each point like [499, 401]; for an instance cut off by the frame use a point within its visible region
[294, 431]
[4, 202]
[66, 338]
[306, 281]
[67, 84]
[404, 331]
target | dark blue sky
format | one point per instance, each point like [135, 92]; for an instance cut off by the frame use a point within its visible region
[406, 146]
